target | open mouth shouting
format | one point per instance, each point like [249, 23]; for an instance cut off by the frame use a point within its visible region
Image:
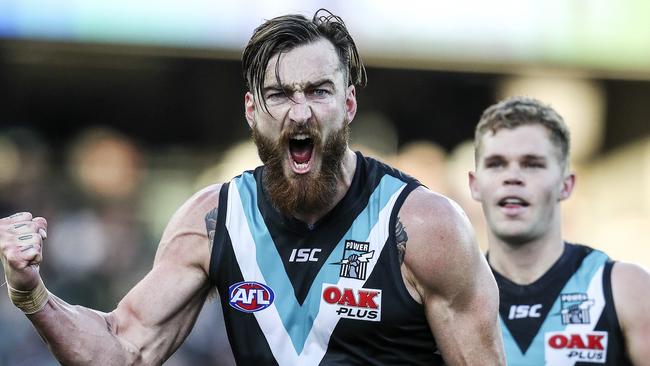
[301, 151]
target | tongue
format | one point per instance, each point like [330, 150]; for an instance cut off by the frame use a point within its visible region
[301, 154]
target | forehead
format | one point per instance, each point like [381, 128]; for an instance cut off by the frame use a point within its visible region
[305, 63]
[518, 141]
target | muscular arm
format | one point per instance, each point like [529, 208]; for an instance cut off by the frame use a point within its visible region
[154, 318]
[445, 271]
[631, 290]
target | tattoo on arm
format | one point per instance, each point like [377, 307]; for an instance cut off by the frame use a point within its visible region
[211, 225]
[401, 238]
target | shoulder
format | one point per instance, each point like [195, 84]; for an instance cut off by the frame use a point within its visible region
[630, 287]
[631, 292]
[207, 197]
[187, 235]
[435, 216]
[441, 238]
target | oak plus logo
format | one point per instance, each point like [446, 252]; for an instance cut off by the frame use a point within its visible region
[562, 348]
[353, 303]
[250, 296]
[356, 256]
[524, 311]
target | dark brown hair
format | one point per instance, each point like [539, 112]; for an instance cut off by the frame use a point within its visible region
[283, 33]
[520, 110]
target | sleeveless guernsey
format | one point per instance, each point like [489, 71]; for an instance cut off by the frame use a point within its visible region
[326, 294]
[567, 317]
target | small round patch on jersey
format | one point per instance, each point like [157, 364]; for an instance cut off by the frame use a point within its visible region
[250, 296]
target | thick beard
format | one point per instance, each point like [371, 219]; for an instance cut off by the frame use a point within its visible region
[302, 193]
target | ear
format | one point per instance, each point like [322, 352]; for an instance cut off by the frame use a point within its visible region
[350, 103]
[568, 183]
[473, 186]
[249, 109]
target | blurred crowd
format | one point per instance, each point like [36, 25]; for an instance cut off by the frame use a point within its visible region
[106, 209]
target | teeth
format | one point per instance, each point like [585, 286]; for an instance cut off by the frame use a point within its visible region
[302, 136]
[513, 201]
[300, 165]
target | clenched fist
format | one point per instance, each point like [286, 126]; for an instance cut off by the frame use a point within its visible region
[21, 244]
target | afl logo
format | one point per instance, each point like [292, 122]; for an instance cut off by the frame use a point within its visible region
[249, 296]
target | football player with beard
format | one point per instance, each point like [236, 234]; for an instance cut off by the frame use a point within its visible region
[320, 256]
[561, 303]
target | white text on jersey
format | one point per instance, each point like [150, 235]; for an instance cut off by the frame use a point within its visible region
[304, 255]
[524, 311]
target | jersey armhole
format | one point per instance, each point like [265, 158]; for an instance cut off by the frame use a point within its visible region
[609, 298]
[613, 322]
[392, 243]
[220, 233]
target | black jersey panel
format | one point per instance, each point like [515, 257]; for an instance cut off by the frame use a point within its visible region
[403, 329]
[220, 233]
[524, 308]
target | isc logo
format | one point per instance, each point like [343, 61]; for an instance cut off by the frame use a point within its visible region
[304, 255]
[524, 311]
[250, 297]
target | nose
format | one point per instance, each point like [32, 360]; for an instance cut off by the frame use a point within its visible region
[513, 177]
[513, 182]
[300, 111]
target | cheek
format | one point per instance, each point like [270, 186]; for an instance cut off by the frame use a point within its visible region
[487, 186]
[482, 193]
[548, 192]
[268, 128]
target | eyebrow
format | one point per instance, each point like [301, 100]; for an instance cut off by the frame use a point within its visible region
[525, 157]
[493, 157]
[534, 157]
[310, 85]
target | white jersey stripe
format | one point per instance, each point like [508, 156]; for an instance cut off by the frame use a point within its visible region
[269, 319]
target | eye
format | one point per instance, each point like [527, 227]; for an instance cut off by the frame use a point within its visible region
[320, 92]
[275, 96]
[494, 163]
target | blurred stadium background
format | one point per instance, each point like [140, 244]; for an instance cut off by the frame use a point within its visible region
[112, 113]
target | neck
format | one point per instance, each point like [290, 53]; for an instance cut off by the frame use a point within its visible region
[525, 263]
[348, 167]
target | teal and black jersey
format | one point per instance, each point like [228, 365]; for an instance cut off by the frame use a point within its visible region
[331, 293]
[566, 317]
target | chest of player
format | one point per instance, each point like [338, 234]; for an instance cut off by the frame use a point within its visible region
[566, 335]
[328, 293]
[567, 319]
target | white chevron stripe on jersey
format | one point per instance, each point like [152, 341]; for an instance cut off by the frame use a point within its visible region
[269, 319]
[246, 253]
[595, 293]
[326, 320]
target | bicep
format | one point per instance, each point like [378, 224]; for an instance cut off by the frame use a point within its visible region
[457, 288]
[159, 312]
[631, 291]
[465, 311]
